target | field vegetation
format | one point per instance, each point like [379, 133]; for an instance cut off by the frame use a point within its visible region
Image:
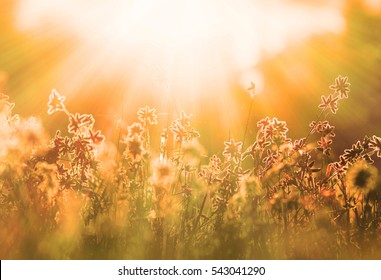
[77, 195]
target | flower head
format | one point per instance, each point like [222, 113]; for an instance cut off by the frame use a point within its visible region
[147, 115]
[56, 102]
[362, 177]
[134, 149]
[330, 102]
[95, 137]
[78, 122]
[184, 119]
[232, 150]
[324, 144]
[375, 145]
[341, 86]
[135, 130]
[354, 153]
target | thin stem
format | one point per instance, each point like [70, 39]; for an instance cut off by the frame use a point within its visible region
[247, 122]
[312, 128]
[200, 212]
[121, 122]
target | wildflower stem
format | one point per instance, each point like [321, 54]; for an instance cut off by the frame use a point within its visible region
[120, 129]
[200, 212]
[247, 122]
[66, 111]
[313, 127]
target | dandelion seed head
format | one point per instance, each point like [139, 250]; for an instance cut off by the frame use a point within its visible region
[163, 171]
[192, 152]
[362, 177]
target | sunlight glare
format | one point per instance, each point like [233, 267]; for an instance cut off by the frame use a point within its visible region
[196, 42]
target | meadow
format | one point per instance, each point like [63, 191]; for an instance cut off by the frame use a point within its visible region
[78, 195]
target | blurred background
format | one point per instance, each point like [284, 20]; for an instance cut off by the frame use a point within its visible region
[111, 57]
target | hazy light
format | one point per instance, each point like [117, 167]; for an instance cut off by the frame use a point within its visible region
[179, 44]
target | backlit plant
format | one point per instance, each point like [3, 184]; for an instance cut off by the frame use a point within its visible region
[78, 195]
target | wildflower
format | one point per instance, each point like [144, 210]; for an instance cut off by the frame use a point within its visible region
[184, 119]
[80, 148]
[179, 131]
[134, 149]
[280, 126]
[322, 127]
[212, 170]
[95, 137]
[324, 145]
[232, 150]
[215, 163]
[330, 103]
[274, 130]
[135, 130]
[264, 123]
[63, 144]
[375, 145]
[56, 102]
[78, 122]
[362, 177]
[299, 144]
[147, 115]
[341, 86]
[353, 153]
